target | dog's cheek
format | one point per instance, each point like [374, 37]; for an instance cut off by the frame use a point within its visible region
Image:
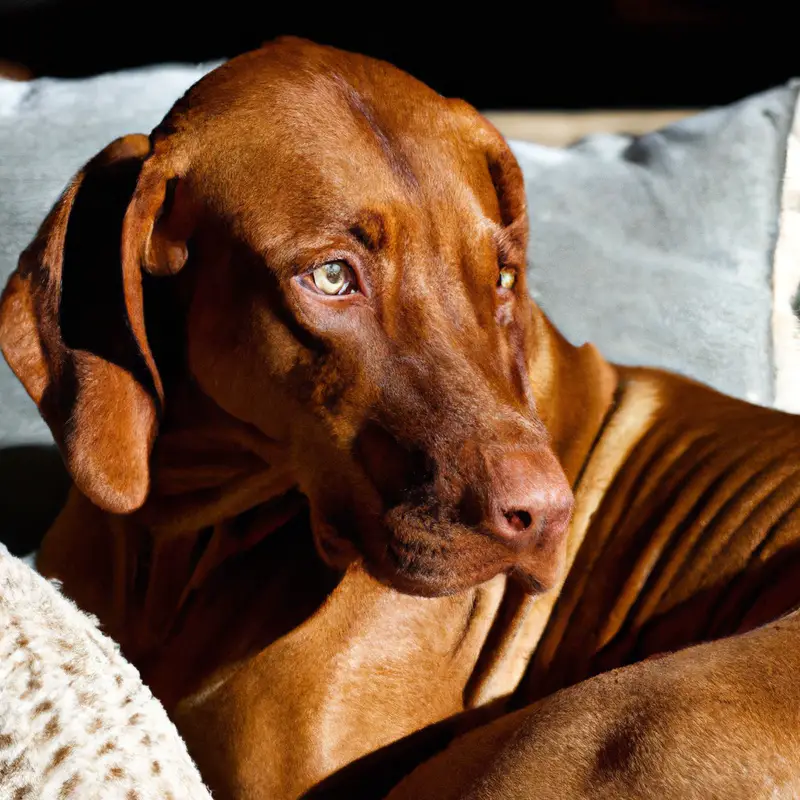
[242, 356]
[333, 392]
[318, 383]
[344, 507]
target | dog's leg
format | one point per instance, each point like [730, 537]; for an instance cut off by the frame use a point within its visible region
[716, 720]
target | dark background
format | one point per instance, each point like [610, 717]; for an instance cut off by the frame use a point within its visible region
[591, 54]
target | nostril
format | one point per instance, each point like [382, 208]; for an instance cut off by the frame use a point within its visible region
[519, 520]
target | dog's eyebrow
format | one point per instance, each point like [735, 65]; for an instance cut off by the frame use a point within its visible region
[398, 163]
[370, 230]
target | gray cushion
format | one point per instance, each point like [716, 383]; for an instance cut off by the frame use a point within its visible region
[659, 248]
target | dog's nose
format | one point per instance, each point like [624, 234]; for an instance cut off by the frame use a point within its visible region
[528, 497]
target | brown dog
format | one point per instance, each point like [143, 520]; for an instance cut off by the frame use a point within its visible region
[323, 442]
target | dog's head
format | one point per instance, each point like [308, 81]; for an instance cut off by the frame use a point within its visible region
[351, 249]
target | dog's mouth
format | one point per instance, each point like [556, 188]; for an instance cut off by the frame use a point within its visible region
[423, 544]
[421, 554]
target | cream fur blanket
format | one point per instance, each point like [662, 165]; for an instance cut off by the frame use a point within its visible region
[75, 718]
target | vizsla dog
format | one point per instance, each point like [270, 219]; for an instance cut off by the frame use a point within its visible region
[343, 492]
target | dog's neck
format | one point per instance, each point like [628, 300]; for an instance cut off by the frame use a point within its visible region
[575, 389]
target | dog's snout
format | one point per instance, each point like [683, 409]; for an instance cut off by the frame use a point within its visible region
[528, 497]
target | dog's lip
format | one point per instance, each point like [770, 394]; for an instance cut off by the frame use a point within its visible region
[426, 565]
[415, 578]
[410, 559]
[435, 584]
[417, 571]
[432, 574]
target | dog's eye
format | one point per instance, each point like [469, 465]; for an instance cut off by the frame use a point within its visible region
[507, 279]
[334, 278]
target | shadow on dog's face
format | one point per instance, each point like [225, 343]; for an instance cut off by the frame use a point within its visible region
[354, 246]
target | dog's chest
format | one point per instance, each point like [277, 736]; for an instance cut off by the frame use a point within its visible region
[697, 536]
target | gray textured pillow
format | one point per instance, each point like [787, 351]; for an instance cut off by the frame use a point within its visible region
[660, 249]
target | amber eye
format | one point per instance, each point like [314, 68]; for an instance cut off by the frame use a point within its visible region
[334, 278]
[507, 279]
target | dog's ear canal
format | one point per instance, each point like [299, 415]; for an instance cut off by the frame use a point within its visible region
[72, 319]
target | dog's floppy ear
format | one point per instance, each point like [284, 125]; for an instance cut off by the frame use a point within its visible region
[505, 172]
[509, 184]
[72, 322]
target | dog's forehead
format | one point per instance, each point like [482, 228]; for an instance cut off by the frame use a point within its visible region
[300, 75]
[312, 128]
